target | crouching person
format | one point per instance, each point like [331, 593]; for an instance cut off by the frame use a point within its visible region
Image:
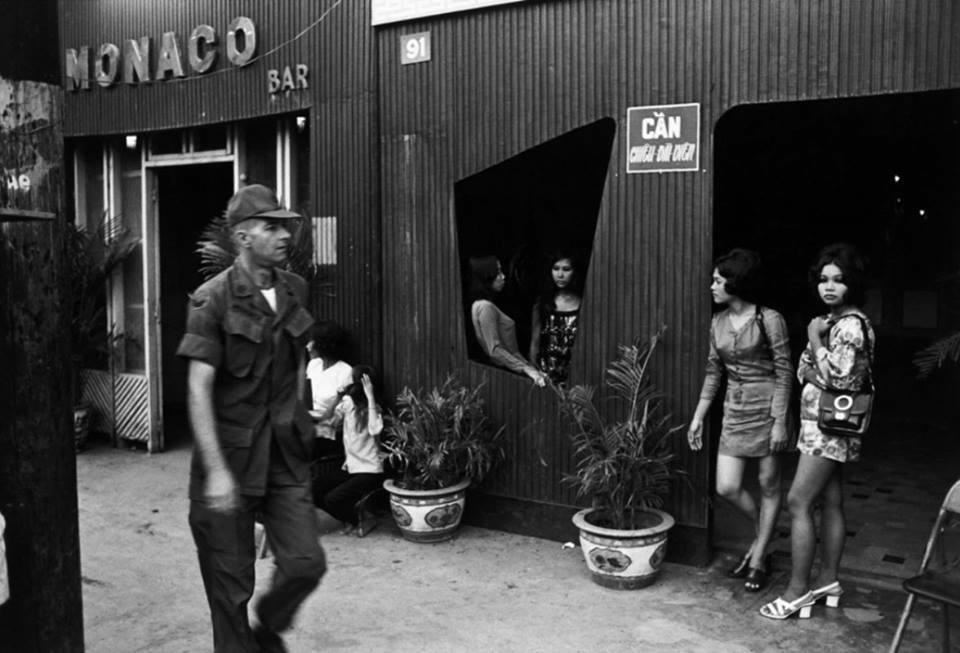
[246, 332]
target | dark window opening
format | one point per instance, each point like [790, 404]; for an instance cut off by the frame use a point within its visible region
[524, 210]
[167, 142]
[213, 138]
[261, 160]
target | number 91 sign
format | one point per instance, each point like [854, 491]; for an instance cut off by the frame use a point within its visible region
[415, 48]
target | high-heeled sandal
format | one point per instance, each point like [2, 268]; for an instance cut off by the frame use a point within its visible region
[757, 579]
[780, 609]
[831, 594]
[740, 571]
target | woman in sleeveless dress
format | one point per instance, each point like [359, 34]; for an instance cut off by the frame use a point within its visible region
[555, 319]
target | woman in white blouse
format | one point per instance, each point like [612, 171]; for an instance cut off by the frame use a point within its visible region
[338, 492]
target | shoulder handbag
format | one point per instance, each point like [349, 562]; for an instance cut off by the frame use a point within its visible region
[846, 413]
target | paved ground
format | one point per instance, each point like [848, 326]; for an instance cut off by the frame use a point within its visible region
[482, 591]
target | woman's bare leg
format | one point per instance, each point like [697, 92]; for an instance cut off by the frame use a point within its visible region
[730, 487]
[813, 475]
[770, 499]
[833, 529]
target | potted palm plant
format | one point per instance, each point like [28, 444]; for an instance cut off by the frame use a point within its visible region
[439, 441]
[624, 465]
[92, 257]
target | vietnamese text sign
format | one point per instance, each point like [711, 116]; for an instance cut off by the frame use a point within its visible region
[392, 11]
[663, 138]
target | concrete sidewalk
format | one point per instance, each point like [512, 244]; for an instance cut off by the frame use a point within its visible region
[482, 591]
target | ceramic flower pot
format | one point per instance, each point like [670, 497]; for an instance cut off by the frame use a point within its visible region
[427, 515]
[624, 559]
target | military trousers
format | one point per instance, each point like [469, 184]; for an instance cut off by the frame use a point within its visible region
[227, 555]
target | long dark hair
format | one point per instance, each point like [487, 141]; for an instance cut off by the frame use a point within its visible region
[356, 393]
[330, 340]
[483, 271]
[548, 300]
[851, 264]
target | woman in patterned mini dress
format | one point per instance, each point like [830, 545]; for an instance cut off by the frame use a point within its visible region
[837, 356]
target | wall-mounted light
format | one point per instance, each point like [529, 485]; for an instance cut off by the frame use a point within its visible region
[301, 123]
[131, 141]
[896, 179]
[923, 213]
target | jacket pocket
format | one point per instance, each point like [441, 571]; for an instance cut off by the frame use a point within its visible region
[299, 322]
[244, 335]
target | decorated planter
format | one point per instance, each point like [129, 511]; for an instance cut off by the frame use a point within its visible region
[624, 560]
[427, 515]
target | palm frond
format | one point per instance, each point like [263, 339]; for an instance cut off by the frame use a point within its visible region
[217, 250]
[622, 442]
[933, 356]
[440, 436]
[947, 348]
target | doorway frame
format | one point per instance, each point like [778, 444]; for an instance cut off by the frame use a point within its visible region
[232, 154]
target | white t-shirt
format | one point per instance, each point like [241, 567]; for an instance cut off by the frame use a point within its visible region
[270, 294]
[325, 384]
[360, 446]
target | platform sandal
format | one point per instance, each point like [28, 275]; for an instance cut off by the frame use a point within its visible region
[740, 571]
[780, 609]
[756, 579]
[830, 593]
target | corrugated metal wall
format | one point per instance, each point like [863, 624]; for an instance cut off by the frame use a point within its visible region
[505, 79]
[334, 38]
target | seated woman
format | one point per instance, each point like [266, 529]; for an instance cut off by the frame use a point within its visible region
[338, 492]
[495, 330]
[328, 375]
[555, 315]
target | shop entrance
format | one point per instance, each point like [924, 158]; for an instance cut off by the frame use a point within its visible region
[188, 197]
[880, 173]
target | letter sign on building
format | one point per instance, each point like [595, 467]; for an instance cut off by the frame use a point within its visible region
[141, 61]
[663, 138]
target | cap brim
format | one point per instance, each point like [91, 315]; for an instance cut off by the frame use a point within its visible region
[277, 214]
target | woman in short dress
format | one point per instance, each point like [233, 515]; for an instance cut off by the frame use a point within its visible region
[838, 355]
[555, 317]
[748, 343]
[495, 330]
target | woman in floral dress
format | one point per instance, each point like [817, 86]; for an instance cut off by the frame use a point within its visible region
[837, 356]
[555, 317]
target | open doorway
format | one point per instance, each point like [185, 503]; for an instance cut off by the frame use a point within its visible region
[878, 172]
[188, 198]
